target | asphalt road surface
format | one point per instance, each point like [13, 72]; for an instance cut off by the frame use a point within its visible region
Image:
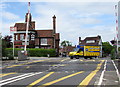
[61, 72]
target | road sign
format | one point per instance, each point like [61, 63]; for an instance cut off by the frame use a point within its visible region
[13, 29]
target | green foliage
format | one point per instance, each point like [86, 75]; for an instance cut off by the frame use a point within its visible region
[113, 54]
[66, 43]
[32, 52]
[41, 52]
[6, 43]
[106, 48]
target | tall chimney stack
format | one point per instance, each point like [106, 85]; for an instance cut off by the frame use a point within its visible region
[26, 17]
[54, 24]
[79, 40]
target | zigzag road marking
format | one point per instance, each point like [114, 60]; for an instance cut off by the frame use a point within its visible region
[60, 79]
[39, 80]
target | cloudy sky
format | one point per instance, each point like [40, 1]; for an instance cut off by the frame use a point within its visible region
[74, 19]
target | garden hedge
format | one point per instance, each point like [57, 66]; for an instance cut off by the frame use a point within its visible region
[36, 52]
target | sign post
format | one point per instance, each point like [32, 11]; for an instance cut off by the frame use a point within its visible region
[13, 30]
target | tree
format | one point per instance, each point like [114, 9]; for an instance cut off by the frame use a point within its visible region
[106, 48]
[66, 43]
[6, 43]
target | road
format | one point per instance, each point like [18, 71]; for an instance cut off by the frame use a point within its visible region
[61, 72]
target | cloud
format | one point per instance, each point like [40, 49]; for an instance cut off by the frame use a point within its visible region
[73, 19]
[61, 0]
[5, 28]
[9, 16]
[3, 5]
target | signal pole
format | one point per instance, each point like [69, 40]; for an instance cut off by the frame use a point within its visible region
[27, 27]
[116, 14]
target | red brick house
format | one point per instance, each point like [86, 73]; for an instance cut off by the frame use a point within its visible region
[91, 41]
[36, 38]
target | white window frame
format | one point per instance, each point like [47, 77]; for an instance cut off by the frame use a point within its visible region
[32, 37]
[90, 41]
[21, 36]
[16, 37]
[43, 41]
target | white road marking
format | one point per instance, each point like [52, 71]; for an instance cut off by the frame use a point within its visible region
[15, 77]
[102, 74]
[73, 60]
[116, 70]
[10, 80]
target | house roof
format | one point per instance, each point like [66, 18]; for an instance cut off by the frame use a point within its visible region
[92, 38]
[22, 26]
[88, 39]
[47, 33]
[67, 49]
[44, 33]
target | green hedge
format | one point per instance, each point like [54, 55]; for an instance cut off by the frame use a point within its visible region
[36, 52]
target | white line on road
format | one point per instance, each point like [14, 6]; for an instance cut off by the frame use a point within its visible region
[10, 80]
[102, 74]
[15, 77]
[116, 70]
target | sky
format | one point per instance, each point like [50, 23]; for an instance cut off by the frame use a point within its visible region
[74, 19]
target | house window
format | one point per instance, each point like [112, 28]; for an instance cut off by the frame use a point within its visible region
[43, 41]
[23, 43]
[32, 37]
[21, 36]
[90, 41]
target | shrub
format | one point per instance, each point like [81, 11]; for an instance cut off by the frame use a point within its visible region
[113, 54]
[36, 52]
[41, 52]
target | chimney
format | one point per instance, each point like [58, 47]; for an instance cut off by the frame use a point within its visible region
[79, 40]
[26, 17]
[54, 24]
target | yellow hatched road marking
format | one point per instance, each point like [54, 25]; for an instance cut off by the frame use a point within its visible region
[86, 81]
[60, 79]
[39, 80]
[26, 63]
[2, 75]
[81, 60]
[28, 67]
[59, 65]
[63, 60]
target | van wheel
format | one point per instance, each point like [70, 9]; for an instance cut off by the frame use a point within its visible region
[85, 57]
[71, 57]
[77, 57]
[91, 58]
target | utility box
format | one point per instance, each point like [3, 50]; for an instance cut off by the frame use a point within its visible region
[22, 55]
